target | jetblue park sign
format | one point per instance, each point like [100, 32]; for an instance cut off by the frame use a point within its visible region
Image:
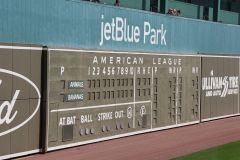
[119, 29]
[91, 26]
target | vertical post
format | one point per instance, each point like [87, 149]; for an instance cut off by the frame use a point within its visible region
[216, 10]
[163, 6]
[143, 4]
[239, 18]
[154, 5]
[198, 12]
[44, 99]
[205, 13]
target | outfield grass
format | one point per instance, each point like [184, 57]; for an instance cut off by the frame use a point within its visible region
[230, 151]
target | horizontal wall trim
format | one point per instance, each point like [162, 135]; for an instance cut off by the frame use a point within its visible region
[20, 154]
[98, 106]
[143, 53]
[122, 52]
[220, 117]
[20, 47]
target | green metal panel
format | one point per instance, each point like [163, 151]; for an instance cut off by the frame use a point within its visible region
[5, 140]
[146, 5]
[20, 138]
[219, 86]
[77, 24]
[189, 95]
[136, 4]
[21, 64]
[122, 94]
[20, 85]
[229, 17]
[6, 85]
[34, 128]
[35, 70]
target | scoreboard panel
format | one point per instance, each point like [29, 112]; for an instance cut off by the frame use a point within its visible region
[102, 94]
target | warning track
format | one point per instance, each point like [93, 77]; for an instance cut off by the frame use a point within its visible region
[159, 145]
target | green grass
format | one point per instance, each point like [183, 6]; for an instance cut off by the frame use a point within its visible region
[230, 151]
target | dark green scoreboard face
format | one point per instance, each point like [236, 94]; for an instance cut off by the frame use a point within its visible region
[220, 87]
[101, 95]
[20, 97]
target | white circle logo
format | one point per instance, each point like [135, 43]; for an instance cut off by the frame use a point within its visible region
[9, 105]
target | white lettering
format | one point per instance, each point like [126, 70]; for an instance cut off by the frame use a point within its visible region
[9, 107]
[71, 120]
[119, 114]
[95, 60]
[86, 118]
[136, 34]
[62, 121]
[101, 41]
[220, 86]
[118, 29]
[146, 31]
[107, 31]
[76, 84]
[163, 36]
[74, 97]
[105, 116]
[62, 70]
[67, 121]
[155, 34]
[118, 60]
